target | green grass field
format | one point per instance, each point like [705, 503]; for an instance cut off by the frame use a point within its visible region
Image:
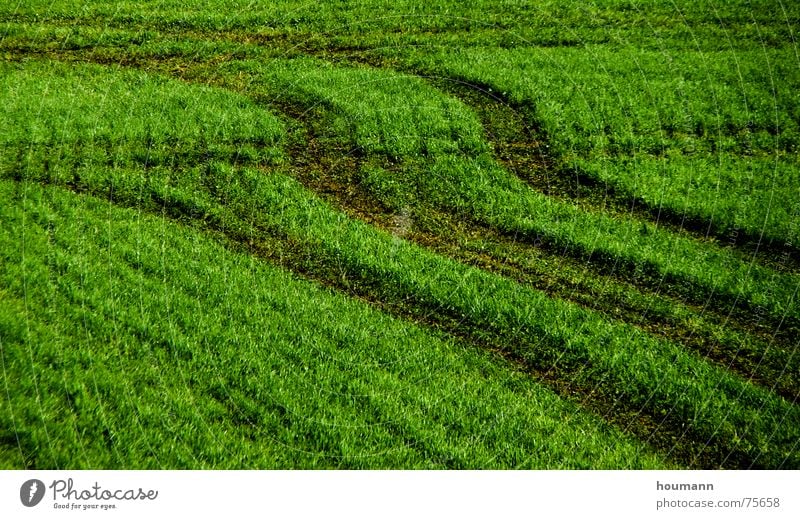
[399, 235]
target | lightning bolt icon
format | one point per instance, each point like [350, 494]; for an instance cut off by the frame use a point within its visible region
[32, 491]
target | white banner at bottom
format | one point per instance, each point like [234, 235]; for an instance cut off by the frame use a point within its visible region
[388, 494]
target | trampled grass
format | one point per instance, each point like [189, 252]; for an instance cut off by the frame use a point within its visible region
[175, 293]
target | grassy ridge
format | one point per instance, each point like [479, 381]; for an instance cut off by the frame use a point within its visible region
[365, 106]
[92, 114]
[730, 194]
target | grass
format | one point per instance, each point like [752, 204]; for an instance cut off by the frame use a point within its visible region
[679, 24]
[259, 236]
[365, 106]
[731, 194]
[96, 115]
